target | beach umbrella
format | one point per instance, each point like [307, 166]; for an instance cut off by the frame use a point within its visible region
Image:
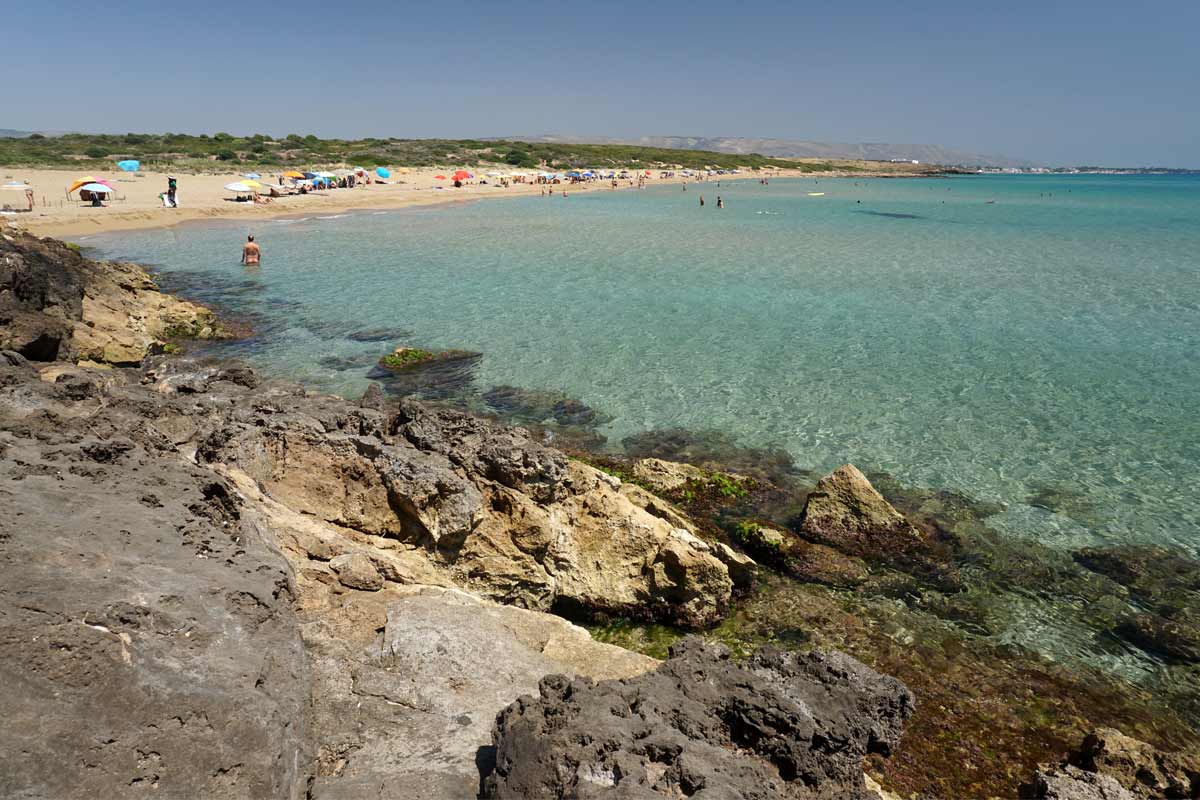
[240, 188]
[439, 177]
[129, 165]
[81, 182]
[326, 175]
[96, 188]
[310, 175]
[293, 174]
[16, 185]
[383, 172]
[251, 175]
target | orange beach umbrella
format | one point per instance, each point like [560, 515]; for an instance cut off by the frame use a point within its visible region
[293, 174]
[462, 175]
[86, 180]
[439, 177]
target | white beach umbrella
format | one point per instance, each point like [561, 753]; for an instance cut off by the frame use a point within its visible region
[326, 175]
[239, 188]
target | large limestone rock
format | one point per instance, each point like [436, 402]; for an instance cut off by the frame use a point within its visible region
[702, 725]
[497, 512]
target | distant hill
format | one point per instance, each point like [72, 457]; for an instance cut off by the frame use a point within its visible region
[791, 148]
[8, 133]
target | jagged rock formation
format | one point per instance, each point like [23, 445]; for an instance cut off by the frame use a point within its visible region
[1112, 766]
[483, 506]
[55, 304]
[702, 725]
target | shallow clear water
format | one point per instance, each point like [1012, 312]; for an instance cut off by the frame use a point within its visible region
[1041, 350]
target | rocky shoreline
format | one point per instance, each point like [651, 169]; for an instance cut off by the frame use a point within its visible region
[217, 585]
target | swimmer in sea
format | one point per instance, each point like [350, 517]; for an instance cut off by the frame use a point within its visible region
[251, 252]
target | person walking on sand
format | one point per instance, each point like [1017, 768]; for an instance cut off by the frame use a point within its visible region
[172, 186]
[251, 254]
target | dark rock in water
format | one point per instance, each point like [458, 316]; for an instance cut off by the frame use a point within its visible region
[890, 214]
[347, 363]
[438, 378]
[702, 725]
[407, 359]
[379, 335]
[1174, 639]
[1063, 499]
[1112, 766]
[803, 560]
[1149, 572]
[1166, 584]
[713, 450]
[535, 406]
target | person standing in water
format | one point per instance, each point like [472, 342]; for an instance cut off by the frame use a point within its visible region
[251, 254]
[702, 201]
[720, 202]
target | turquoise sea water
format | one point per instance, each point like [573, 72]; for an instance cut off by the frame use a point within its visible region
[1042, 351]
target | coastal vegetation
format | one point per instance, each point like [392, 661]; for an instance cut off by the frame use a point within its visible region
[219, 151]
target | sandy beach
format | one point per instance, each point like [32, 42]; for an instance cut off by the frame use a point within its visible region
[136, 203]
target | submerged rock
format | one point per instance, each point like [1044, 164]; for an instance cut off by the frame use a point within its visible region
[379, 334]
[712, 450]
[803, 560]
[702, 725]
[403, 359]
[530, 405]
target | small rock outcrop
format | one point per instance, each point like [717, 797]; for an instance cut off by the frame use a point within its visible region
[1112, 766]
[57, 305]
[666, 476]
[702, 725]
[845, 512]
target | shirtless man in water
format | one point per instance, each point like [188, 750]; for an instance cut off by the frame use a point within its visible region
[250, 252]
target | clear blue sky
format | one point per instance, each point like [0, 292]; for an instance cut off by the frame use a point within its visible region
[1056, 82]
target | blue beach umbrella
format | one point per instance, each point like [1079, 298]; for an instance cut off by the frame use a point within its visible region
[252, 176]
[310, 175]
[129, 165]
[383, 172]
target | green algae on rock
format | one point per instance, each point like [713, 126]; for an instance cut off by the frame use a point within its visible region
[403, 358]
